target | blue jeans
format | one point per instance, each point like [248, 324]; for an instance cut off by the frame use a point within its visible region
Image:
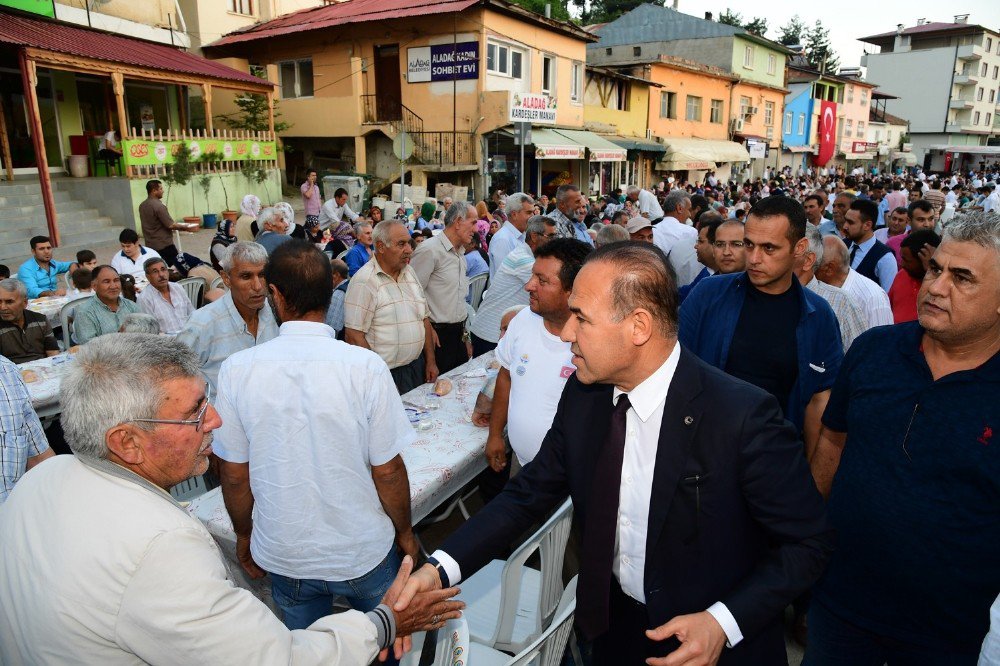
[836, 642]
[303, 601]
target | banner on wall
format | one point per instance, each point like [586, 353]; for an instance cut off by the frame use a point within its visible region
[827, 132]
[40, 7]
[442, 62]
[150, 152]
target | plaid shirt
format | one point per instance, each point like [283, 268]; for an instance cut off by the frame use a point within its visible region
[21, 435]
[173, 315]
[389, 312]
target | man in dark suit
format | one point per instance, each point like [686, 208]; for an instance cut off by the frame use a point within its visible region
[700, 521]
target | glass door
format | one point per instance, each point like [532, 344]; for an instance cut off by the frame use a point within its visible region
[15, 109]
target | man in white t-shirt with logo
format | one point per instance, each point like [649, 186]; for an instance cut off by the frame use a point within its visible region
[534, 362]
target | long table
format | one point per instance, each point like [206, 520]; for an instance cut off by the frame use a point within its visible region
[448, 453]
[48, 374]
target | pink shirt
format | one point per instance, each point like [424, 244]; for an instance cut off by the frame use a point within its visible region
[894, 244]
[314, 203]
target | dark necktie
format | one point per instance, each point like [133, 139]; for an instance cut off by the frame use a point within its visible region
[854, 251]
[599, 533]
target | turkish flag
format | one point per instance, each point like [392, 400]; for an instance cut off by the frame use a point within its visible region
[827, 132]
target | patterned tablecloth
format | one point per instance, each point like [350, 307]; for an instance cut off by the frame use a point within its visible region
[43, 379]
[448, 453]
[48, 306]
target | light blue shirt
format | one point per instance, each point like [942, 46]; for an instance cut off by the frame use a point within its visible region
[23, 436]
[580, 231]
[38, 280]
[885, 269]
[217, 331]
[503, 241]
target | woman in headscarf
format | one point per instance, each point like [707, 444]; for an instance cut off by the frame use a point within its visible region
[288, 214]
[318, 237]
[482, 229]
[224, 237]
[246, 223]
[426, 218]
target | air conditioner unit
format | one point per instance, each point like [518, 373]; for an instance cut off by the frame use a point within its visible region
[737, 124]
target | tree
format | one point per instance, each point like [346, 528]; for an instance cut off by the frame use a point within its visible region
[605, 11]
[756, 26]
[793, 31]
[253, 115]
[818, 47]
[729, 17]
[560, 9]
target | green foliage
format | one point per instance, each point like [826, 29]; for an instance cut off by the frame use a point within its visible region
[817, 44]
[729, 17]
[792, 32]
[253, 114]
[758, 26]
[560, 10]
[755, 26]
[604, 11]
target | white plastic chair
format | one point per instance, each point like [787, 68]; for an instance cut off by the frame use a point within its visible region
[546, 650]
[66, 320]
[476, 287]
[217, 283]
[452, 645]
[508, 604]
[189, 489]
[342, 254]
[195, 287]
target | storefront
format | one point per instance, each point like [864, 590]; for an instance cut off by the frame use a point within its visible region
[640, 158]
[690, 159]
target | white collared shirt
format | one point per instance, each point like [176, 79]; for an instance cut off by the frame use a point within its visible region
[677, 240]
[123, 263]
[642, 436]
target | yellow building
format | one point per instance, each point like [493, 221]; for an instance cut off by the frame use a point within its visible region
[352, 76]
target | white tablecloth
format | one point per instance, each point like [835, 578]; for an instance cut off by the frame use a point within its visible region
[48, 306]
[45, 390]
[443, 459]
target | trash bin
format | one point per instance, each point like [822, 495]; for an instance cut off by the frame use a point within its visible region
[79, 165]
[356, 189]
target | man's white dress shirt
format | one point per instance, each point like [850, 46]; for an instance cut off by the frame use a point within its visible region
[503, 241]
[123, 263]
[677, 240]
[331, 212]
[649, 205]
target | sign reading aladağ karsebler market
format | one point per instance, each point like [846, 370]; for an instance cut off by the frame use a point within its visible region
[442, 62]
[532, 108]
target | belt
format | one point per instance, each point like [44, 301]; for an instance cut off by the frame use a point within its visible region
[447, 325]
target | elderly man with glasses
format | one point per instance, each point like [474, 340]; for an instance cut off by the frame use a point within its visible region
[129, 576]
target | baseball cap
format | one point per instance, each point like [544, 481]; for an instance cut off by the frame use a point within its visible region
[637, 224]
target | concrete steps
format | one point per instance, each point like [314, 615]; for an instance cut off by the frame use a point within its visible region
[22, 215]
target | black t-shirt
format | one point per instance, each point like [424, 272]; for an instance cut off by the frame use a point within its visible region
[764, 351]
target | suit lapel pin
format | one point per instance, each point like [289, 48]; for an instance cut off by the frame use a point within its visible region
[688, 420]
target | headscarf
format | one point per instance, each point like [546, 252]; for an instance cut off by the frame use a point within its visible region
[427, 210]
[224, 232]
[313, 233]
[250, 206]
[483, 228]
[287, 214]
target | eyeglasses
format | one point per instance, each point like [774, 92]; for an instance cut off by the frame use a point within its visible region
[198, 421]
[549, 236]
[722, 244]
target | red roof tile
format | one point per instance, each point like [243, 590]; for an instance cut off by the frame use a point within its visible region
[342, 13]
[86, 43]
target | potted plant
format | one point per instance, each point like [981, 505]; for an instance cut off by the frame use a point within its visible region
[255, 174]
[214, 159]
[180, 173]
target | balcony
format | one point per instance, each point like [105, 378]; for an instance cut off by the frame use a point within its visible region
[966, 79]
[954, 128]
[970, 52]
[439, 149]
[959, 103]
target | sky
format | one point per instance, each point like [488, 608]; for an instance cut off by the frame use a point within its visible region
[849, 19]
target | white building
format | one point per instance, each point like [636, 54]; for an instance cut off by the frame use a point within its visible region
[946, 77]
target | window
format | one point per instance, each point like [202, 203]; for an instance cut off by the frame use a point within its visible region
[296, 78]
[548, 74]
[996, 71]
[504, 60]
[715, 113]
[975, 118]
[878, 136]
[861, 130]
[576, 83]
[623, 95]
[769, 133]
[260, 71]
[693, 111]
[748, 57]
[979, 94]
[241, 7]
[769, 113]
[636, 51]
[668, 105]
[802, 124]
[744, 107]
[984, 70]
[788, 123]
[772, 63]
[864, 97]
[989, 119]
[607, 51]
[850, 94]
[848, 127]
[993, 94]
[989, 44]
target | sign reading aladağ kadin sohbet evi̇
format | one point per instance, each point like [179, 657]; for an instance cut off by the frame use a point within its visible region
[532, 108]
[442, 62]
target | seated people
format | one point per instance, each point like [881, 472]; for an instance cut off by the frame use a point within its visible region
[86, 259]
[140, 322]
[24, 335]
[335, 313]
[24, 441]
[133, 255]
[40, 274]
[165, 300]
[82, 280]
[105, 311]
[4, 272]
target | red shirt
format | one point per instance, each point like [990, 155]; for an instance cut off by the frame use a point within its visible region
[903, 297]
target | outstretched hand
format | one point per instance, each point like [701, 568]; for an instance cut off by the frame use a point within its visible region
[702, 639]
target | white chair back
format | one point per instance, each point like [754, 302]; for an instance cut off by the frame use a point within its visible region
[65, 320]
[342, 254]
[550, 542]
[476, 287]
[217, 283]
[451, 649]
[195, 287]
[548, 649]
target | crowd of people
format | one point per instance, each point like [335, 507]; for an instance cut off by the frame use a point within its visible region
[759, 396]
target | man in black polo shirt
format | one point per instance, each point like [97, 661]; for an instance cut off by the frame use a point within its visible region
[24, 335]
[911, 465]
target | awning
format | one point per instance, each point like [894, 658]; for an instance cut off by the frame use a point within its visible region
[601, 150]
[755, 137]
[552, 145]
[906, 158]
[638, 144]
[797, 149]
[687, 153]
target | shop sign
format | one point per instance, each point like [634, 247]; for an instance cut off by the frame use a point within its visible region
[150, 152]
[532, 108]
[442, 62]
[569, 152]
[607, 155]
[757, 149]
[863, 146]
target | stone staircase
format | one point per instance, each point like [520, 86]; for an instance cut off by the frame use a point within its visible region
[22, 215]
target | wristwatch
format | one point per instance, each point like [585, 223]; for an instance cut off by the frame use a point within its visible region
[441, 571]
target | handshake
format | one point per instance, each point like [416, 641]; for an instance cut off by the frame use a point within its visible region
[418, 604]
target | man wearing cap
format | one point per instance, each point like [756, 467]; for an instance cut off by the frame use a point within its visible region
[640, 229]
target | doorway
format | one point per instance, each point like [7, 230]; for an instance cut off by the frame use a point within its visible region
[15, 110]
[388, 97]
